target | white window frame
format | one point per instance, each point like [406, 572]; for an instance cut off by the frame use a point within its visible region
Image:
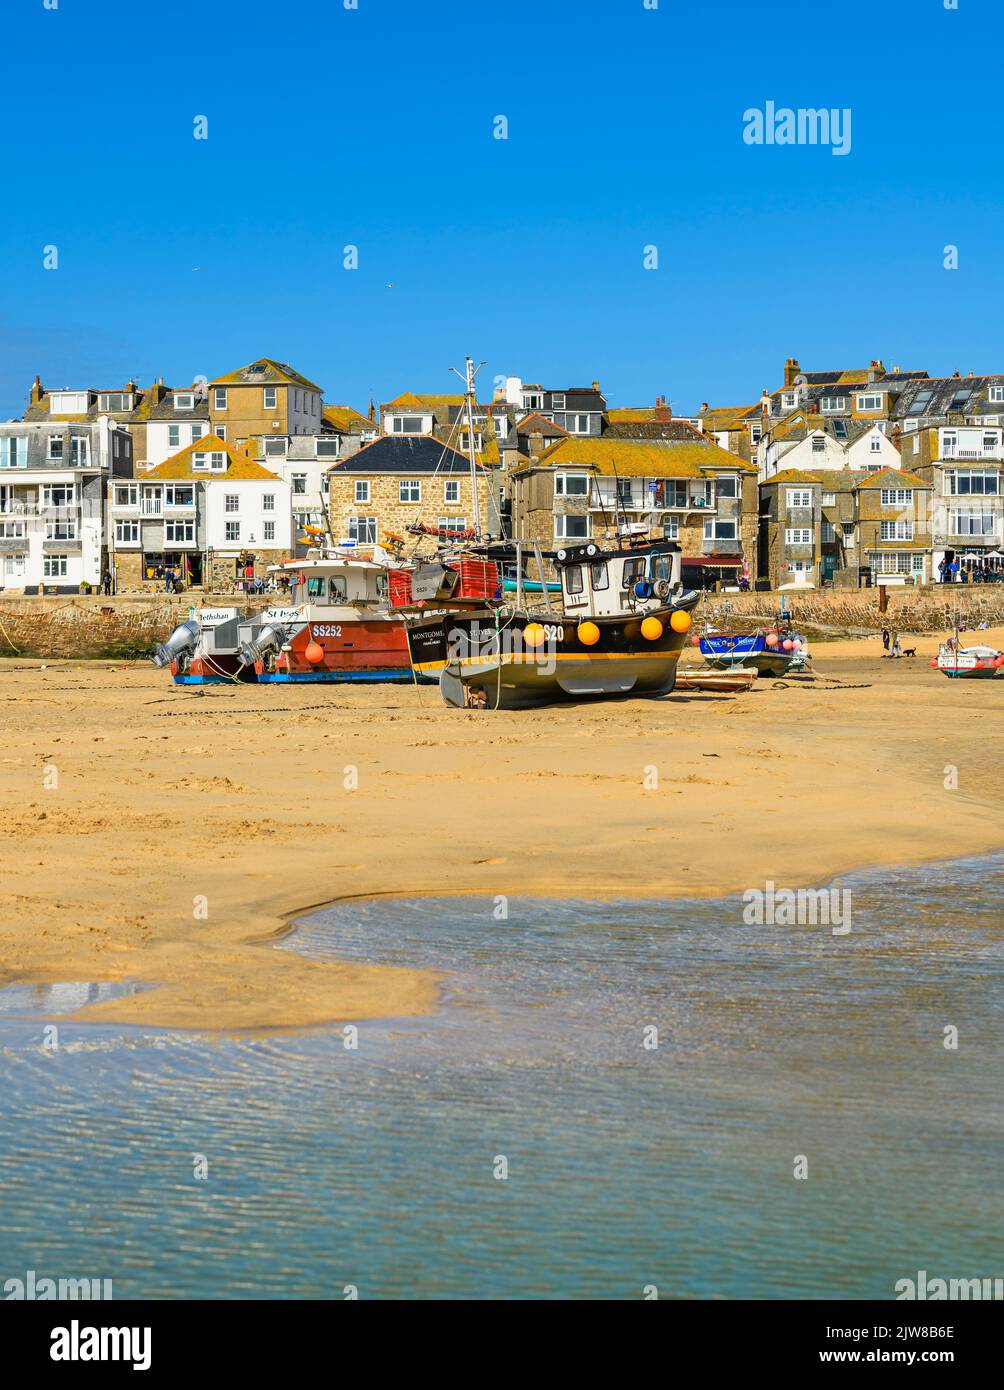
[562, 480]
[896, 531]
[865, 396]
[370, 527]
[798, 497]
[561, 526]
[184, 400]
[268, 530]
[231, 531]
[219, 398]
[409, 489]
[896, 496]
[798, 535]
[451, 492]
[266, 392]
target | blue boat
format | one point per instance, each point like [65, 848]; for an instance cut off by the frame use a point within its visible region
[751, 651]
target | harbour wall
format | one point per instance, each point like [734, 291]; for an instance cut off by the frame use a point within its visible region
[125, 627]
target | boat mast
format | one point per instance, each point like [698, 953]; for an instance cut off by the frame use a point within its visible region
[467, 377]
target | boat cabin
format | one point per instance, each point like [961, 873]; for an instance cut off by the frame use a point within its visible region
[335, 583]
[599, 583]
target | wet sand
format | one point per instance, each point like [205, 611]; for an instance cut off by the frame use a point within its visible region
[186, 826]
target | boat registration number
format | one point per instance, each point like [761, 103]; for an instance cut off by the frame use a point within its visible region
[326, 630]
[553, 632]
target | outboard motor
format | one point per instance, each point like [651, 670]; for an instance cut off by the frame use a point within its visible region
[271, 638]
[180, 643]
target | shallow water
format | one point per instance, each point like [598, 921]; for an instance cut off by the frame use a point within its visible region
[627, 1167]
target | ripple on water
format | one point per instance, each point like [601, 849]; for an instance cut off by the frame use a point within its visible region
[626, 1166]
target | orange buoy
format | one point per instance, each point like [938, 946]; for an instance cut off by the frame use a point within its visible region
[652, 628]
[533, 634]
[589, 634]
[680, 620]
[314, 653]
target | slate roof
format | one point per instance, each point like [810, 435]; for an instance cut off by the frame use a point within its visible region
[652, 429]
[408, 454]
[944, 392]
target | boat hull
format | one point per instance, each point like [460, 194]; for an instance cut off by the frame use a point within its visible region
[220, 669]
[484, 662]
[745, 651]
[366, 651]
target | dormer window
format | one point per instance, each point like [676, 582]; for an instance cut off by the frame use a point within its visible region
[218, 462]
[200, 463]
[557, 400]
[830, 403]
[870, 402]
[184, 400]
[789, 399]
[69, 402]
[997, 393]
[115, 400]
[276, 445]
[407, 424]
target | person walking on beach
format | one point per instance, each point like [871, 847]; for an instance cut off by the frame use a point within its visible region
[885, 641]
[106, 580]
[896, 649]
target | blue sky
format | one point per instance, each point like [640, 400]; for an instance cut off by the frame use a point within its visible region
[374, 127]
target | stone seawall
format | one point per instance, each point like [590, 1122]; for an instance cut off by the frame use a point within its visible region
[834, 612]
[121, 628]
[126, 627]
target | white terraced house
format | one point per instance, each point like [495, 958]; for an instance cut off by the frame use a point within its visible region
[53, 484]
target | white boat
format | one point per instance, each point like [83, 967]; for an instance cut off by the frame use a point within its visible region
[972, 663]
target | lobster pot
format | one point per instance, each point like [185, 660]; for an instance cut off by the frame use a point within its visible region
[400, 588]
[478, 578]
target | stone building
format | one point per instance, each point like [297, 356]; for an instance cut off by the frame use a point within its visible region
[400, 480]
[681, 487]
[265, 398]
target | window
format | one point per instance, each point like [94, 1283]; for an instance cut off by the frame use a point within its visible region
[828, 532]
[453, 523]
[299, 482]
[232, 530]
[755, 432]
[829, 499]
[115, 400]
[971, 524]
[875, 444]
[200, 462]
[982, 482]
[79, 451]
[798, 535]
[870, 402]
[152, 501]
[571, 485]
[789, 399]
[578, 424]
[532, 401]
[61, 530]
[179, 495]
[126, 495]
[574, 583]
[276, 445]
[833, 403]
[465, 441]
[221, 433]
[407, 424]
[671, 527]
[363, 530]
[996, 394]
[700, 494]
[727, 487]
[55, 447]
[220, 398]
[268, 501]
[268, 530]
[797, 497]
[557, 400]
[897, 562]
[57, 495]
[231, 502]
[69, 403]
[599, 576]
[409, 490]
[896, 531]
[327, 448]
[896, 496]
[12, 531]
[958, 402]
[269, 397]
[571, 528]
[174, 436]
[184, 400]
[718, 530]
[218, 462]
[362, 490]
[840, 429]
[54, 566]
[818, 443]
[197, 432]
[179, 532]
[670, 492]
[920, 402]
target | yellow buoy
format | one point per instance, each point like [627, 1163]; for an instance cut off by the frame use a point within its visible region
[533, 634]
[651, 628]
[588, 634]
[680, 620]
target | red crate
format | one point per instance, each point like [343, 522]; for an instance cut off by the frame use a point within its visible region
[400, 587]
[478, 578]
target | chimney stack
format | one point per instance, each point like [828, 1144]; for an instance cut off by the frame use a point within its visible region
[36, 390]
[875, 369]
[596, 386]
[662, 410]
[791, 371]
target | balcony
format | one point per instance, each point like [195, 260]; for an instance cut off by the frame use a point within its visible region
[709, 546]
[950, 453]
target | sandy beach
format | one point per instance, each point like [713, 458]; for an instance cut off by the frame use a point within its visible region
[167, 836]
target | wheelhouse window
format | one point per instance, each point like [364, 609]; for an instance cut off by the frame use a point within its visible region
[573, 579]
[634, 570]
[599, 576]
